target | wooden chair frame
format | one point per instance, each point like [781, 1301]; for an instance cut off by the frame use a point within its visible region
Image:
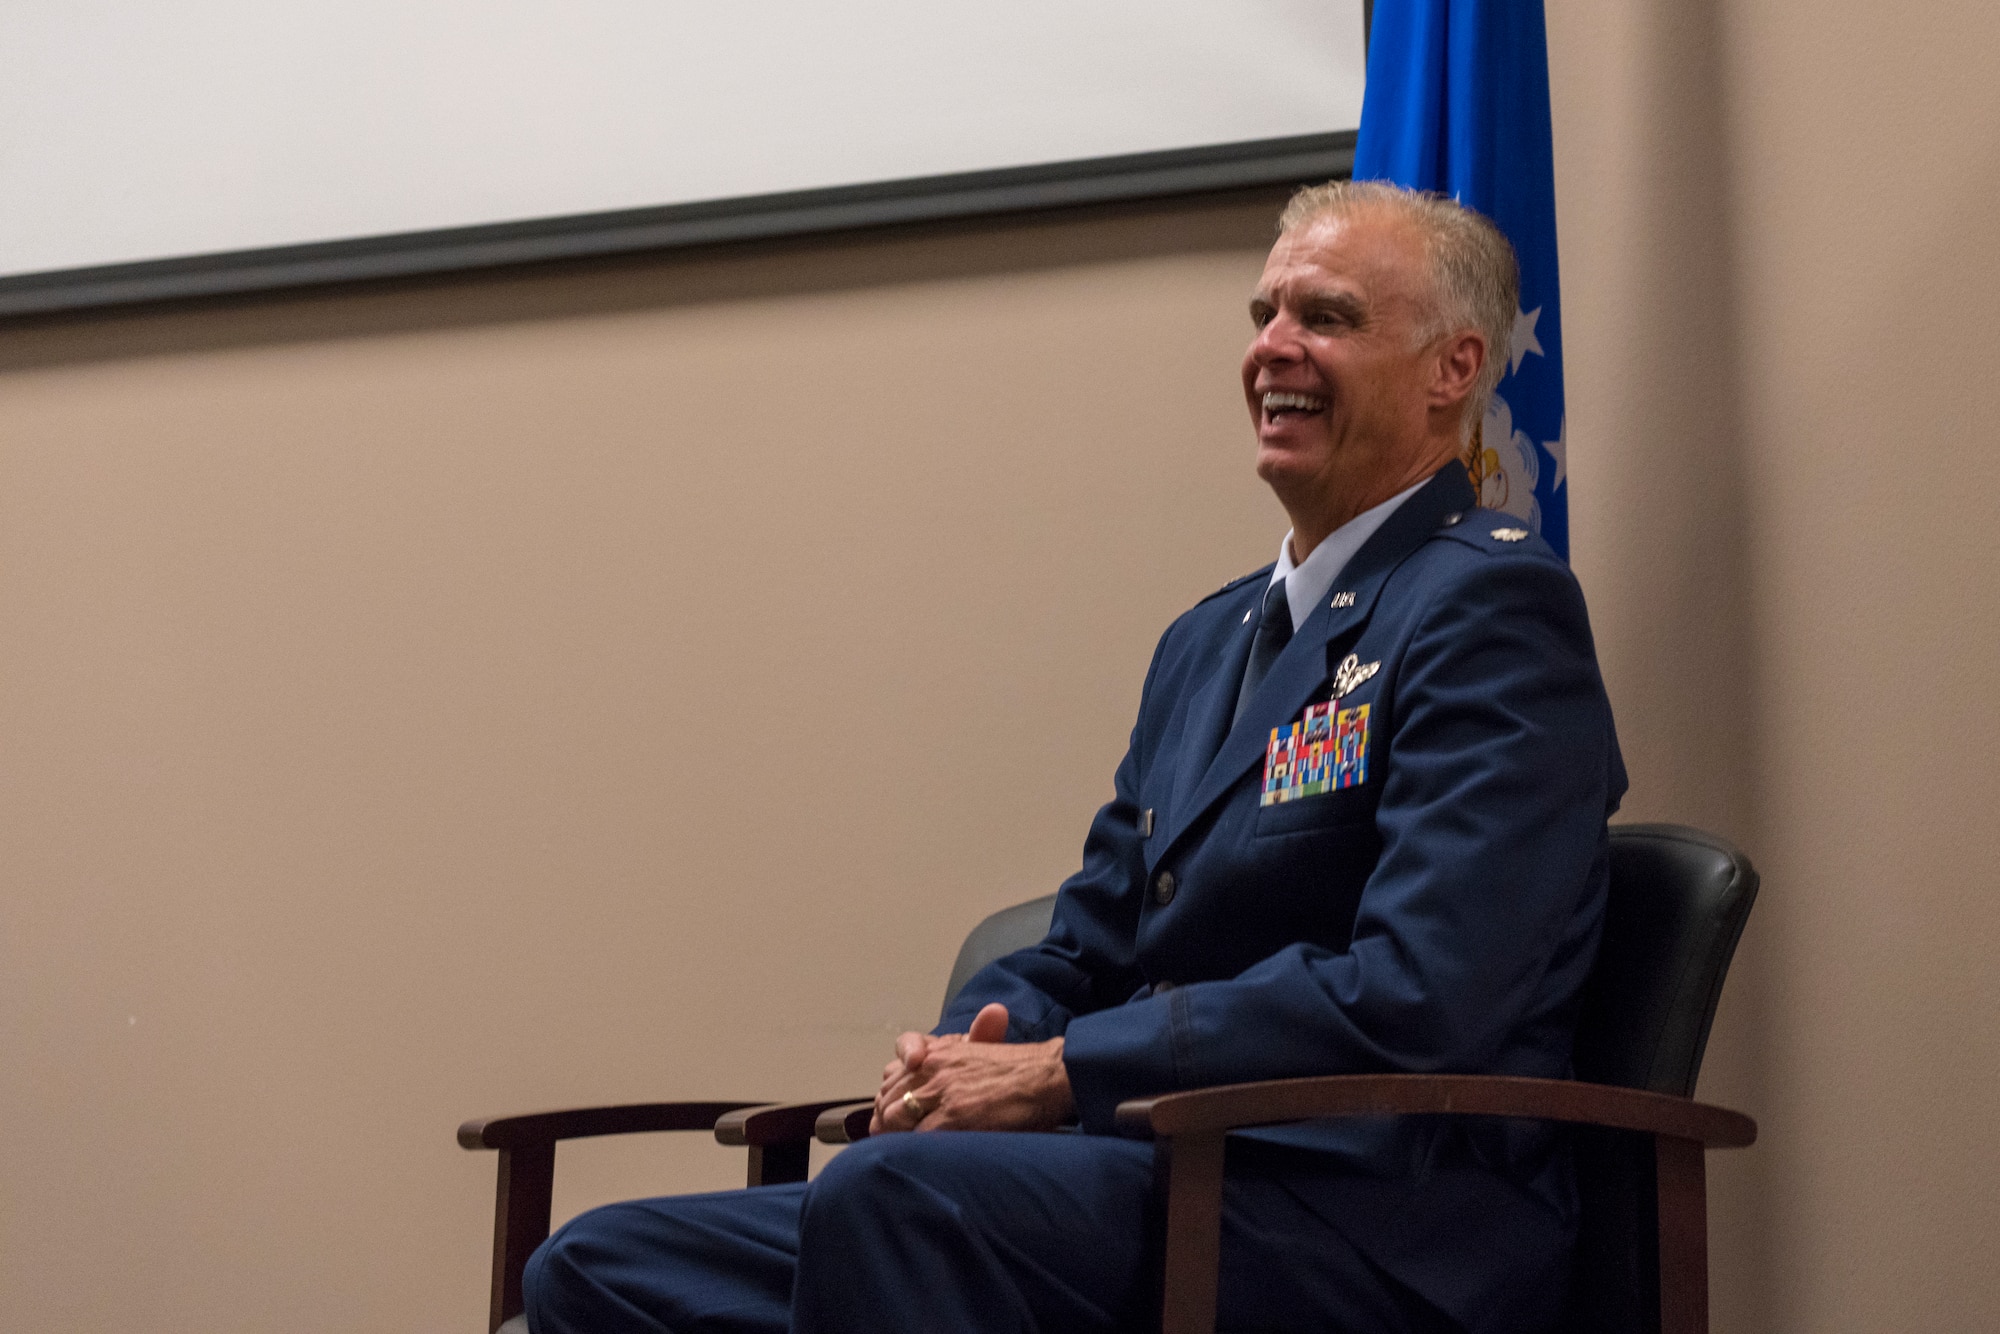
[1188, 1129]
[778, 1137]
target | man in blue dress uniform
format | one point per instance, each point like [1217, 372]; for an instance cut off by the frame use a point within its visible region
[1360, 827]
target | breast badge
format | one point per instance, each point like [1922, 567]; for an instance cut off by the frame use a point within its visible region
[1351, 673]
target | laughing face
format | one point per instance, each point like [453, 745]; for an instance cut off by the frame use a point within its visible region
[1350, 404]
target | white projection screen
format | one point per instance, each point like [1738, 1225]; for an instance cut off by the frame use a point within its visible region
[151, 151]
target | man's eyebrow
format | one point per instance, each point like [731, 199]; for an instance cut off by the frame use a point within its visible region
[1345, 304]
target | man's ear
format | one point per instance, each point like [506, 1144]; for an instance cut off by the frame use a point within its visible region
[1459, 360]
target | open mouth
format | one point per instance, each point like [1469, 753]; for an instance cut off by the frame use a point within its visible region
[1280, 407]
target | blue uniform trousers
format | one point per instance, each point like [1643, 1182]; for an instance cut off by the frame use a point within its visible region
[961, 1232]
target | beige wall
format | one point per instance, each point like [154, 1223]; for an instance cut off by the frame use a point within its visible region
[1866, 163]
[1780, 274]
[630, 681]
[575, 688]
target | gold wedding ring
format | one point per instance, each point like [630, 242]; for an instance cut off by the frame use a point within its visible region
[917, 1109]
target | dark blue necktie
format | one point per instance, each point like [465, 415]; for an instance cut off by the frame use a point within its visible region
[1274, 631]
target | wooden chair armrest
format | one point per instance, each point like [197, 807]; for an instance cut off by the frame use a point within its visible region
[536, 1128]
[525, 1186]
[845, 1125]
[778, 1123]
[1238, 1106]
[1189, 1128]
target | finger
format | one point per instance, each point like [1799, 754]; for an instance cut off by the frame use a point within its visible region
[910, 1048]
[894, 1086]
[892, 1072]
[989, 1025]
[937, 1042]
[889, 1104]
[929, 1107]
[951, 1112]
[951, 1116]
[898, 1115]
[932, 1044]
[893, 1089]
[884, 1121]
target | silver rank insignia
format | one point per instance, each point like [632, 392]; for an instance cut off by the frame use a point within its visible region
[1351, 673]
[1510, 534]
[1343, 599]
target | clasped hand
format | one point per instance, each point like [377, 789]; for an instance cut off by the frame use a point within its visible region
[975, 1080]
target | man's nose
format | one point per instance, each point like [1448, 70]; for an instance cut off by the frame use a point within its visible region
[1276, 342]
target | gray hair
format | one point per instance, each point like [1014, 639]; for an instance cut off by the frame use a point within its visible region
[1474, 278]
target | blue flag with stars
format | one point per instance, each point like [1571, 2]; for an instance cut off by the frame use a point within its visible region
[1458, 102]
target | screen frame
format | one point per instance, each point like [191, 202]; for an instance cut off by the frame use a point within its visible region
[1137, 176]
[1126, 178]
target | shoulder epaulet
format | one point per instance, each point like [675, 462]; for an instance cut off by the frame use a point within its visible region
[1491, 530]
[1239, 581]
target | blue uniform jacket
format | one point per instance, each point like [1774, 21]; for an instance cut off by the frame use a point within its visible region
[1438, 913]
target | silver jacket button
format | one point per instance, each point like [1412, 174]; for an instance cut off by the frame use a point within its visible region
[1163, 889]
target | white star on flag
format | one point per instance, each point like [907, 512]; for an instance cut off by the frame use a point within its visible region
[1524, 336]
[1559, 451]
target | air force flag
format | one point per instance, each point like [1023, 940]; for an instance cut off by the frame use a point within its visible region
[1458, 102]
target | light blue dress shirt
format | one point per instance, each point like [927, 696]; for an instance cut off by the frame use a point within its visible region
[1306, 584]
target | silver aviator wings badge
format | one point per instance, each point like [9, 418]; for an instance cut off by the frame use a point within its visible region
[1351, 673]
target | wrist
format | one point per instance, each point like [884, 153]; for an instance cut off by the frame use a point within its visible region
[1060, 1101]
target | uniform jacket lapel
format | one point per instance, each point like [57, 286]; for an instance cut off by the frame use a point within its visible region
[1210, 708]
[1303, 667]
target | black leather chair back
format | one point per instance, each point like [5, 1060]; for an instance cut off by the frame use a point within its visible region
[1678, 902]
[1679, 898]
[1008, 930]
